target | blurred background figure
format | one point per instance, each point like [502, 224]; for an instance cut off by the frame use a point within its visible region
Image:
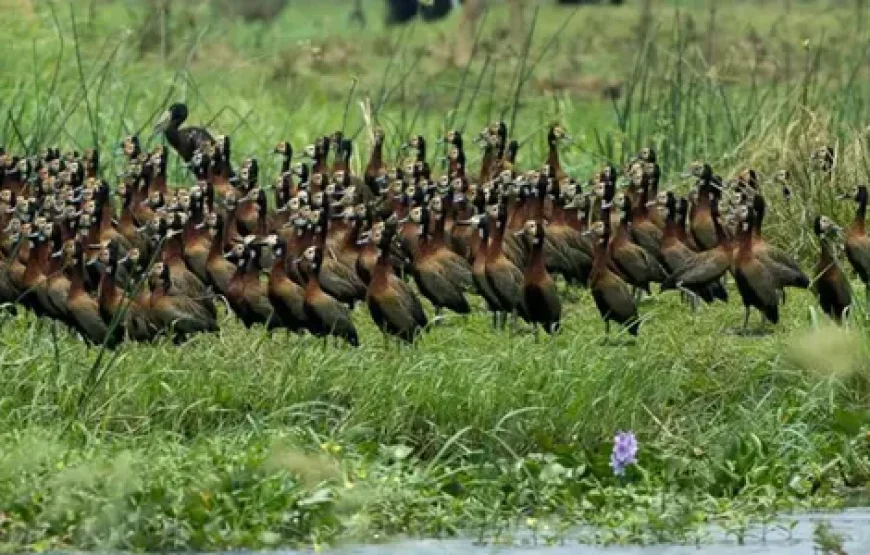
[403, 11]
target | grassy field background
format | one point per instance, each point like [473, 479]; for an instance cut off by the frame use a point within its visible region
[245, 440]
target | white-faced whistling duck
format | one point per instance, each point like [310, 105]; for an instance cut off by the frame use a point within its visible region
[218, 268]
[756, 284]
[441, 275]
[129, 315]
[287, 296]
[643, 231]
[857, 242]
[35, 284]
[392, 303]
[325, 315]
[84, 310]
[178, 314]
[653, 173]
[185, 141]
[699, 273]
[637, 266]
[543, 305]
[612, 295]
[482, 225]
[504, 277]
[566, 251]
[700, 221]
[196, 239]
[246, 294]
[831, 286]
[375, 169]
[173, 255]
[335, 277]
[555, 136]
[783, 267]
[675, 253]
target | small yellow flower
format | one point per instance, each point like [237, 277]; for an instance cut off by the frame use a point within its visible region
[531, 522]
[806, 44]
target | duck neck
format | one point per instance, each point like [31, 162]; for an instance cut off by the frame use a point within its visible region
[599, 260]
[670, 231]
[536, 264]
[279, 266]
[173, 134]
[826, 258]
[553, 155]
[745, 240]
[861, 214]
[483, 247]
[76, 275]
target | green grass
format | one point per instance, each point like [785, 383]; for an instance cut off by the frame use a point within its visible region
[244, 440]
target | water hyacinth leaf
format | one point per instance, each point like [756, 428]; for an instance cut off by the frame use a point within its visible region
[553, 472]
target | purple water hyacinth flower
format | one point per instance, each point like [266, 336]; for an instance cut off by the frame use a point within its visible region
[624, 452]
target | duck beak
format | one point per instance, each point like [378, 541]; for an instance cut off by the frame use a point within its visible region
[199, 225]
[686, 175]
[518, 233]
[844, 196]
[650, 204]
[92, 262]
[162, 123]
[57, 254]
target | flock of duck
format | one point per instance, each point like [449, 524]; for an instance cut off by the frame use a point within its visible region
[160, 262]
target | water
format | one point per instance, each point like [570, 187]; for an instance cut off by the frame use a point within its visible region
[853, 525]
